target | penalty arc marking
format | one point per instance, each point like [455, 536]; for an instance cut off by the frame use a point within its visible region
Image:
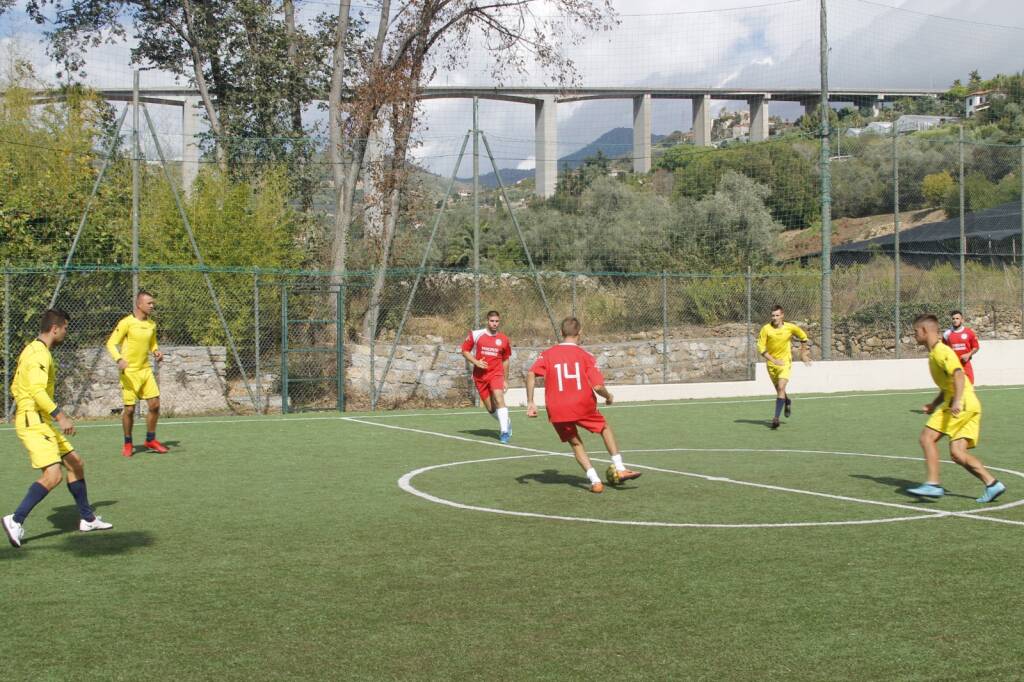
[405, 483]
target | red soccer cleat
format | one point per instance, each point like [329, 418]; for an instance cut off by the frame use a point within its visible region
[156, 446]
[128, 450]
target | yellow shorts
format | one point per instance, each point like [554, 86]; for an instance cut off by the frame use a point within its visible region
[138, 384]
[966, 425]
[776, 372]
[46, 445]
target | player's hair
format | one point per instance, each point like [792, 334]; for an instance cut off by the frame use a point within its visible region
[777, 307]
[926, 318]
[143, 292]
[52, 317]
[955, 312]
[493, 312]
[570, 327]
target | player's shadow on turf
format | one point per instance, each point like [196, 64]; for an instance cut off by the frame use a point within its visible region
[65, 519]
[767, 423]
[552, 476]
[105, 543]
[901, 484]
[487, 433]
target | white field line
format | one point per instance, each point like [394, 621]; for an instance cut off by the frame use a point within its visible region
[405, 484]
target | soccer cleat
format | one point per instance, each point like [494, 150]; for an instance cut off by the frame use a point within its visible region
[96, 524]
[156, 446]
[128, 450]
[929, 490]
[597, 487]
[775, 423]
[627, 475]
[15, 531]
[788, 410]
[992, 492]
[504, 436]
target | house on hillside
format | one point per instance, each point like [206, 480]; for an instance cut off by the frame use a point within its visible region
[980, 100]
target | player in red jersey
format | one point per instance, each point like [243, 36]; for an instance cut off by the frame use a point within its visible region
[571, 378]
[963, 341]
[488, 350]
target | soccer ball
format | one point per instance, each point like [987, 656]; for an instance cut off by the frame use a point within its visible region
[611, 475]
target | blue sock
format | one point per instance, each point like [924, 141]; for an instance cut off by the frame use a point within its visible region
[127, 440]
[150, 435]
[36, 493]
[779, 404]
[77, 490]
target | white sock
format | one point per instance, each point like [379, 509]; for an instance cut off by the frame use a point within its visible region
[495, 415]
[503, 418]
[592, 475]
[617, 461]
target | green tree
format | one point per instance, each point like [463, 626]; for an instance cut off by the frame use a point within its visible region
[936, 187]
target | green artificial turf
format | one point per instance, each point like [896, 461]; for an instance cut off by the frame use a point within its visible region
[267, 548]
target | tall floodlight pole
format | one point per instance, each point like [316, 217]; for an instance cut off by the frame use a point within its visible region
[963, 225]
[476, 212]
[897, 284]
[826, 200]
[136, 153]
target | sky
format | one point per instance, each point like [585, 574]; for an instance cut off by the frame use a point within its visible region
[669, 43]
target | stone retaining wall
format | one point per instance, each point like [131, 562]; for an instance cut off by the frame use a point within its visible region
[191, 378]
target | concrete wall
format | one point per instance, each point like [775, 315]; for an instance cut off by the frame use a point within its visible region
[999, 363]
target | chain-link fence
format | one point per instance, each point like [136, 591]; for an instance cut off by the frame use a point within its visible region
[281, 328]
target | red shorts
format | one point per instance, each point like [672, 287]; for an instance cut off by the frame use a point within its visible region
[488, 383]
[594, 423]
[968, 370]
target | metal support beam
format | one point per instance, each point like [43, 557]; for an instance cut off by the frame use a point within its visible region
[546, 152]
[702, 120]
[642, 134]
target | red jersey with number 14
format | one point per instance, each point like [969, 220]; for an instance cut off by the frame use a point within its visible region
[493, 349]
[570, 375]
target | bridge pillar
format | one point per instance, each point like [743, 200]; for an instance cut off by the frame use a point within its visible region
[702, 120]
[759, 130]
[874, 103]
[642, 133]
[546, 145]
[190, 123]
[810, 106]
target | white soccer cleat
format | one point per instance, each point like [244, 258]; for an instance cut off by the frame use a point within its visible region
[15, 531]
[96, 524]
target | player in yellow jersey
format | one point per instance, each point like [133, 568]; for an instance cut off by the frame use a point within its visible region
[775, 346]
[33, 389]
[136, 335]
[955, 413]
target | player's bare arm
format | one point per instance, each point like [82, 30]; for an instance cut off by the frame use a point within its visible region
[772, 359]
[805, 352]
[930, 407]
[531, 407]
[604, 393]
[482, 364]
[958, 393]
[158, 355]
[504, 367]
[66, 425]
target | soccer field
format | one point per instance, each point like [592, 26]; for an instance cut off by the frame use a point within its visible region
[413, 546]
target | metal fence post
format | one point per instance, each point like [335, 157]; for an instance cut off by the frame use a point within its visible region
[896, 233]
[256, 337]
[826, 196]
[284, 348]
[573, 284]
[373, 361]
[1022, 238]
[340, 346]
[750, 312]
[664, 327]
[963, 240]
[7, 343]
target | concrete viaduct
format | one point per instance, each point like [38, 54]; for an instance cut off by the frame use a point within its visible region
[545, 102]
